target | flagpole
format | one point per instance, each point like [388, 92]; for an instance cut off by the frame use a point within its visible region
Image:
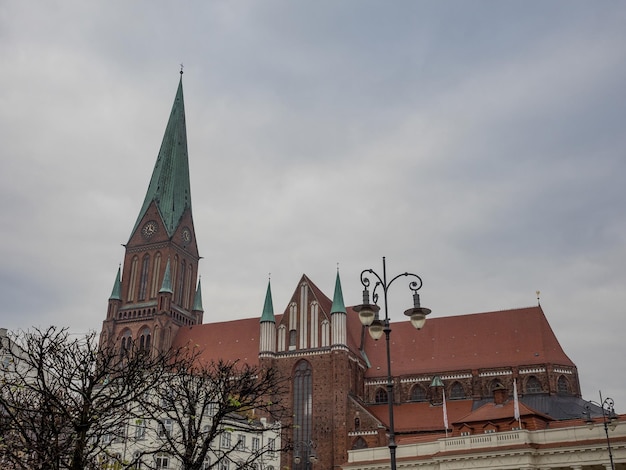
[445, 412]
[516, 404]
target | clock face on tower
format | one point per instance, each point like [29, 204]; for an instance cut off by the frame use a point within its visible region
[149, 229]
[186, 235]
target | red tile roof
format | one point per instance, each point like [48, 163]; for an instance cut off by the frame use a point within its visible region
[231, 340]
[493, 412]
[422, 416]
[465, 342]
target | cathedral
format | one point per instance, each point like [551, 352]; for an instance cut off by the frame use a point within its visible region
[442, 374]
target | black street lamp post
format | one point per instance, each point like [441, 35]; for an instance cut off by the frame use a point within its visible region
[304, 453]
[368, 314]
[609, 420]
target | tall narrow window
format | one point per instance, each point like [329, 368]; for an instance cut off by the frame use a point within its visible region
[292, 339]
[144, 339]
[133, 279]
[126, 343]
[143, 280]
[180, 288]
[156, 272]
[562, 386]
[302, 408]
[188, 285]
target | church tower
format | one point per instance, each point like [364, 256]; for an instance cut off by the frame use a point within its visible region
[154, 293]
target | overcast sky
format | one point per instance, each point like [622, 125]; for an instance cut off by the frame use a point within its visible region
[480, 145]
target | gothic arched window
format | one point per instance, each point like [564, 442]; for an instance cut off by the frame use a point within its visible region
[381, 396]
[457, 392]
[180, 288]
[144, 339]
[126, 343]
[156, 271]
[302, 404]
[134, 264]
[359, 444]
[533, 385]
[418, 393]
[143, 279]
[562, 386]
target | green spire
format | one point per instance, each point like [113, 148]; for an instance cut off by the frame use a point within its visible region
[197, 300]
[338, 305]
[166, 287]
[268, 308]
[116, 293]
[169, 186]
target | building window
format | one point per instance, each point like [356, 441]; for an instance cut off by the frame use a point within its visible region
[533, 385]
[166, 427]
[256, 444]
[206, 464]
[357, 424]
[144, 339]
[180, 288]
[125, 344]
[162, 461]
[465, 433]
[136, 463]
[418, 393]
[156, 271]
[302, 401]
[360, 443]
[143, 279]
[241, 442]
[457, 392]
[271, 447]
[292, 339]
[381, 396]
[562, 386]
[140, 429]
[224, 465]
[188, 285]
[133, 278]
[225, 440]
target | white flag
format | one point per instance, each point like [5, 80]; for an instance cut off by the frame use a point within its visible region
[515, 400]
[445, 411]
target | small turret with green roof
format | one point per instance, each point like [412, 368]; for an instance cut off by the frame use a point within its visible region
[166, 286]
[268, 307]
[338, 305]
[116, 293]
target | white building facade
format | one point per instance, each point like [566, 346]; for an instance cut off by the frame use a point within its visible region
[574, 447]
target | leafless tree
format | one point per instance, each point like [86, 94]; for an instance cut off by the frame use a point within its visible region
[204, 409]
[63, 398]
